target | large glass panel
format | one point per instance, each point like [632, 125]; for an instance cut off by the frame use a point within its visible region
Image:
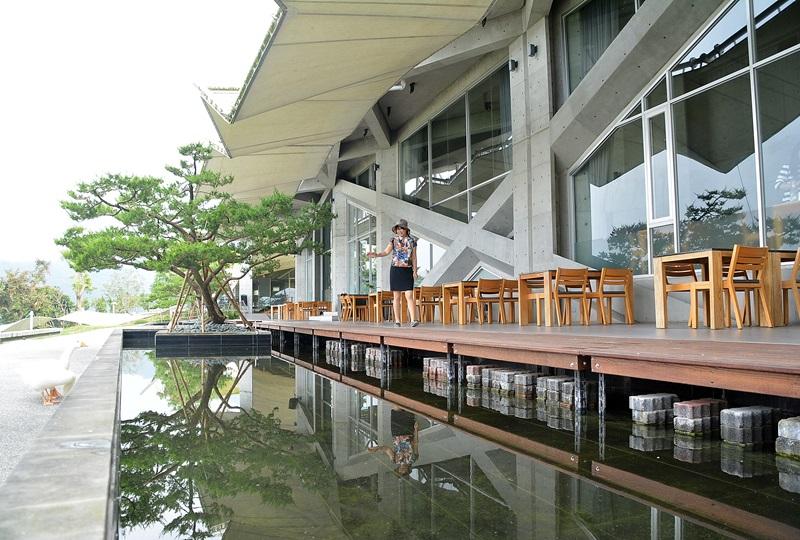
[590, 30]
[657, 95]
[414, 168]
[777, 26]
[662, 241]
[428, 254]
[480, 195]
[720, 52]
[658, 166]
[449, 152]
[717, 201]
[455, 208]
[490, 127]
[610, 217]
[779, 107]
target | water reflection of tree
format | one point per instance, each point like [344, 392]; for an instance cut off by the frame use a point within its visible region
[715, 219]
[169, 460]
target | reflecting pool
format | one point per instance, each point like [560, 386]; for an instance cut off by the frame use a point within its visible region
[244, 448]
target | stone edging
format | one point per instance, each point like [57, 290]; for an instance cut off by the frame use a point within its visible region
[65, 485]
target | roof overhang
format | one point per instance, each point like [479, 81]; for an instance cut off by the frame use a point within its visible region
[322, 67]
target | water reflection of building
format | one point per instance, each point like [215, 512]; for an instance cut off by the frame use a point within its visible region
[461, 486]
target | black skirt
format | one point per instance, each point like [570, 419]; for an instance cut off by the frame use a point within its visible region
[401, 278]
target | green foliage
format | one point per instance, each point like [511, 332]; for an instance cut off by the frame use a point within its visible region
[81, 286]
[185, 224]
[124, 292]
[101, 305]
[169, 460]
[22, 292]
[164, 291]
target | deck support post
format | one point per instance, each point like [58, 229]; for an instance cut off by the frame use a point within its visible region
[345, 355]
[384, 365]
[601, 395]
[579, 399]
[296, 345]
[314, 348]
[280, 340]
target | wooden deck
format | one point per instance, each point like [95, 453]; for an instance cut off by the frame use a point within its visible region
[758, 360]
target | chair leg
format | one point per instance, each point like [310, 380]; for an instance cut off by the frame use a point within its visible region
[539, 312]
[692, 309]
[736, 311]
[726, 308]
[558, 311]
[785, 307]
[587, 314]
[763, 299]
[796, 295]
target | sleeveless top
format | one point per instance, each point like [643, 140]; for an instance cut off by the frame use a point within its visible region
[402, 247]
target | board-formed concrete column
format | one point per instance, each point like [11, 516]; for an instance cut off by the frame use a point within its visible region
[339, 254]
[533, 175]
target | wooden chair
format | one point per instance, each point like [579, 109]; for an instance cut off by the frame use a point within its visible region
[486, 294]
[427, 300]
[360, 312]
[745, 274]
[344, 302]
[686, 272]
[613, 283]
[534, 293]
[570, 285]
[792, 284]
[383, 305]
[509, 295]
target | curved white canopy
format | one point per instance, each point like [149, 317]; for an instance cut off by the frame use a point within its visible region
[322, 68]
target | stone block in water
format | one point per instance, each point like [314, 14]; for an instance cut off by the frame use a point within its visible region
[652, 402]
[787, 447]
[789, 482]
[742, 461]
[789, 428]
[648, 417]
[695, 408]
[692, 426]
[746, 417]
[742, 436]
[787, 465]
[643, 444]
[692, 455]
[650, 431]
[692, 442]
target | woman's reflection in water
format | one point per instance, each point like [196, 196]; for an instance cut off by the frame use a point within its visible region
[405, 440]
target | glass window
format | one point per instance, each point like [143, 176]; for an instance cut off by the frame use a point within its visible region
[482, 273]
[480, 195]
[662, 241]
[658, 166]
[779, 108]
[590, 30]
[362, 240]
[449, 152]
[490, 127]
[657, 95]
[716, 168]
[455, 208]
[635, 111]
[414, 168]
[722, 51]
[610, 217]
[777, 26]
[428, 254]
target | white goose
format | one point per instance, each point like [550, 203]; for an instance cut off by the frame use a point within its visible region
[46, 376]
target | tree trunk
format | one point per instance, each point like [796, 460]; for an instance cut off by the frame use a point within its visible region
[213, 310]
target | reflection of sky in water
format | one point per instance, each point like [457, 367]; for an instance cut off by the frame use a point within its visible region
[137, 379]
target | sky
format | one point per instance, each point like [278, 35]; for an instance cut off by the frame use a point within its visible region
[92, 87]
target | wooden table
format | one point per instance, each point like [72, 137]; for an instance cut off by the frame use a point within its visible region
[547, 277]
[375, 306]
[276, 311]
[711, 261]
[458, 290]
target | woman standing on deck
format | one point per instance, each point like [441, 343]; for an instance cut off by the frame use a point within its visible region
[403, 272]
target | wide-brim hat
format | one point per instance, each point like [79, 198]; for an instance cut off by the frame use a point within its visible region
[401, 223]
